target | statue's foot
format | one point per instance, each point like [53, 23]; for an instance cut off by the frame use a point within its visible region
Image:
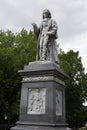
[43, 59]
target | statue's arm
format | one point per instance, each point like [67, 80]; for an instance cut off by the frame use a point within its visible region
[36, 30]
[54, 28]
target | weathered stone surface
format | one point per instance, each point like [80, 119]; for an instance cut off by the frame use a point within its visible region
[59, 102]
[46, 34]
[42, 69]
[36, 101]
[42, 103]
[28, 127]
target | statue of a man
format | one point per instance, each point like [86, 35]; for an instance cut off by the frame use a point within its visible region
[46, 35]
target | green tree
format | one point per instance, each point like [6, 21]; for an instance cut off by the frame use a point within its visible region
[16, 50]
[6, 38]
[72, 65]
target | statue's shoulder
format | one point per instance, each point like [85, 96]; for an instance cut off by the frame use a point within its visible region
[53, 21]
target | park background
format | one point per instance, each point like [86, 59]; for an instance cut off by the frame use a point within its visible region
[18, 48]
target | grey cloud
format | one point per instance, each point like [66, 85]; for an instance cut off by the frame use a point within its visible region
[70, 15]
[73, 20]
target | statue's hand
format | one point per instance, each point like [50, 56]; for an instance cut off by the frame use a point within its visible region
[48, 33]
[33, 24]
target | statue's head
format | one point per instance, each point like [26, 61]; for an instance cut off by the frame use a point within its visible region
[46, 14]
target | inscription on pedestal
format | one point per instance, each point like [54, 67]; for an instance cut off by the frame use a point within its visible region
[36, 101]
[58, 102]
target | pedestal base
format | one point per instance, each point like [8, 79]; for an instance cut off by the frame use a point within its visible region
[38, 127]
[42, 104]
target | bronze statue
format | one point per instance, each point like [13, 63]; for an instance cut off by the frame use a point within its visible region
[46, 35]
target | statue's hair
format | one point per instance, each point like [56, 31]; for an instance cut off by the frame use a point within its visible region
[49, 14]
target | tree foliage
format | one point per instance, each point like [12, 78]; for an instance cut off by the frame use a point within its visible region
[16, 50]
[75, 84]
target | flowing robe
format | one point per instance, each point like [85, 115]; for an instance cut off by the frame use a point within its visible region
[46, 35]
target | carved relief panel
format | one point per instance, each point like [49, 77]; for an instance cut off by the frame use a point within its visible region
[36, 101]
[58, 102]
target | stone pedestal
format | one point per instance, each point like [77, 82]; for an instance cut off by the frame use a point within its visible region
[42, 104]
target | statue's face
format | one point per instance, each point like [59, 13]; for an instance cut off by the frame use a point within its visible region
[45, 14]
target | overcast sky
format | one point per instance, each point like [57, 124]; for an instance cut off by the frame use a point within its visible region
[70, 15]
